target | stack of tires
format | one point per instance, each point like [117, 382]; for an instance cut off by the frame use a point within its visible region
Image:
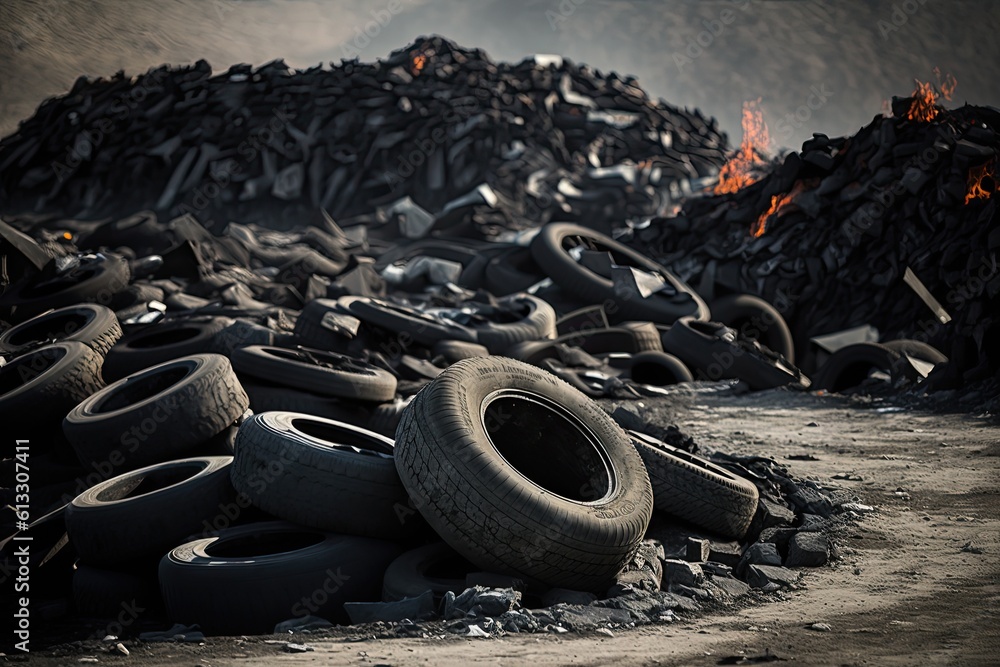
[236, 463]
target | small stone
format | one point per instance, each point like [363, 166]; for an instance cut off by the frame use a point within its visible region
[759, 553]
[727, 553]
[857, 508]
[681, 572]
[88, 659]
[297, 648]
[811, 523]
[697, 550]
[768, 577]
[556, 629]
[770, 514]
[717, 569]
[731, 587]
[810, 501]
[120, 649]
[604, 631]
[808, 550]
[812, 424]
[971, 548]
[820, 627]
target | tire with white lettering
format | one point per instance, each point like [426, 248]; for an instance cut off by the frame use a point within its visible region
[87, 323]
[249, 578]
[147, 511]
[695, 489]
[322, 474]
[522, 474]
[157, 414]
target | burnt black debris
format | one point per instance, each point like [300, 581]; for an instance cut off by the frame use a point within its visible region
[859, 230]
[434, 135]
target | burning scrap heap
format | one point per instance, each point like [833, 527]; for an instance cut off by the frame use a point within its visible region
[470, 140]
[837, 232]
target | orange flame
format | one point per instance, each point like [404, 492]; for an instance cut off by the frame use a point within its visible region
[419, 62]
[777, 203]
[924, 107]
[976, 177]
[737, 173]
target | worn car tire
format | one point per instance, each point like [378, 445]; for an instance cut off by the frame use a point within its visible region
[756, 319]
[41, 387]
[160, 342]
[249, 578]
[520, 473]
[90, 324]
[538, 323]
[658, 369]
[343, 377]
[329, 475]
[95, 281]
[158, 413]
[147, 511]
[550, 248]
[434, 567]
[849, 366]
[696, 490]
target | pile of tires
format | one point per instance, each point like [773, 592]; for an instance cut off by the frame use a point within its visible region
[236, 446]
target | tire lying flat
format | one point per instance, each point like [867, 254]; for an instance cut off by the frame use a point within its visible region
[45, 384]
[156, 414]
[90, 324]
[326, 373]
[249, 578]
[520, 473]
[147, 511]
[322, 474]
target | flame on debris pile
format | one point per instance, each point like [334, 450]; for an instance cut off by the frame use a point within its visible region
[976, 177]
[419, 61]
[778, 204]
[737, 173]
[924, 107]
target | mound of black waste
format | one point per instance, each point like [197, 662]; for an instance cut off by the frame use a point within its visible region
[895, 226]
[467, 140]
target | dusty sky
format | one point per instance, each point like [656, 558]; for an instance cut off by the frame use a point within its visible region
[831, 63]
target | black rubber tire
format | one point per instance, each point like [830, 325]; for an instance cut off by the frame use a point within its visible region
[96, 282]
[615, 339]
[918, 350]
[399, 320]
[696, 490]
[756, 319]
[113, 594]
[647, 336]
[550, 254]
[453, 350]
[265, 397]
[494, 514]
[90, 324]
[160, 342]
[849, 366]
[311, 331]
[510, 271]
[349, 378]
[322, 474]
[709, 350]
[41, 387]
[434, 567]
[147, 511]
[538, 323]
[136, 294]
[658, 369]
[157, 414]
[249, 578]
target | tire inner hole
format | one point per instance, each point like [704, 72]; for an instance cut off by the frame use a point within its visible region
[136, 390]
